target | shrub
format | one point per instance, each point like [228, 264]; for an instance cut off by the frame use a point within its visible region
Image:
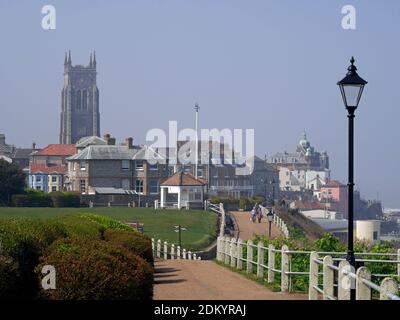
[9, 278]
[134, 241]
[75, 226]
[96, 270]
[24, 240]
[66, 199]
[31, 200]
[106, 222]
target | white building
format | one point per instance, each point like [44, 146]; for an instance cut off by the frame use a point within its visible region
[368, 230]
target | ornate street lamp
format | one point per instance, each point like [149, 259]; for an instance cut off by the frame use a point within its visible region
[272, 182]
[270, 217]
[351, 88]
[179, 229]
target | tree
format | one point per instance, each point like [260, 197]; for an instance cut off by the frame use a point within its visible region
[12, 181]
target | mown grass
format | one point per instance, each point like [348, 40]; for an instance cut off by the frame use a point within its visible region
[201, 225]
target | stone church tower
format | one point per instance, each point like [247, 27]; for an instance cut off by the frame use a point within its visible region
[80, 115]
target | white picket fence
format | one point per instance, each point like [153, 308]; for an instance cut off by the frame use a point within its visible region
[168, 251]
[231, 252]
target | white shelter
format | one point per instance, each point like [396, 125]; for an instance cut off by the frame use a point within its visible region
[184, 189]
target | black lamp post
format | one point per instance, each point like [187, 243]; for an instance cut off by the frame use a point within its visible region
[179, 229]
[351, 88]
[272, 182]
[270, 217]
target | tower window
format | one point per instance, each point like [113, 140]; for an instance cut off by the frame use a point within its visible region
[78, 99]
[84, 100]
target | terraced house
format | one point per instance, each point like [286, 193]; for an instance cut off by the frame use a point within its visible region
[48, 168]
[100, 163]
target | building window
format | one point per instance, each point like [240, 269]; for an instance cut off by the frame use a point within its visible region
[82, 166]
[375, 235]
[153, 187]
[38, 188]
[139, 186]
[126, 184]
[139, 166]
[53, 179]
[153, 167]
[38, 179]
[83, 186]
[53, 189]
[125, 164]
[78, 99]
[84, 100]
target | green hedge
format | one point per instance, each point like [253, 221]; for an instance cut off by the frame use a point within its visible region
[25, 241]
[96, 270]
[133, 241]
[41, 199]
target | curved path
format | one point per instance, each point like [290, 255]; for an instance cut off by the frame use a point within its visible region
[248, 229]
[206, 280]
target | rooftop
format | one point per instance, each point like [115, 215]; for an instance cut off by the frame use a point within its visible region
[57, 150]
[183, 179]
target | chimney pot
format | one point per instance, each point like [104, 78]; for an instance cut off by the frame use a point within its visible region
[129, 142]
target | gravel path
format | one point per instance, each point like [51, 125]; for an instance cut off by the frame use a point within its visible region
[205, 280]
[248, 229]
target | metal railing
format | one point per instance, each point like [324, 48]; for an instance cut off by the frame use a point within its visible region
[168, 251]
[231, 252]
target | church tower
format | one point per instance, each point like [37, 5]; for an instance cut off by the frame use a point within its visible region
[80, 115]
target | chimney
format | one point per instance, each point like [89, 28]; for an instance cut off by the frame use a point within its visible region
[107, 138]
[111, 142]
[33, 146]
[129, 142]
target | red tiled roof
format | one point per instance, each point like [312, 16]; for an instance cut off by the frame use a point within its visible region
[57, 150]
[42, 168]
[183, 179]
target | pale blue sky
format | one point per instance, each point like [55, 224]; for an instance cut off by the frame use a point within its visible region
[267, 65]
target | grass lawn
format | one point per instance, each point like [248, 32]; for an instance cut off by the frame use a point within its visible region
[201, 225]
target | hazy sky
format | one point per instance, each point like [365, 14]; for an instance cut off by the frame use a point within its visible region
[267, 65]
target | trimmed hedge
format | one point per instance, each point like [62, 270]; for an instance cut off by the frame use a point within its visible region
[24, 241]
[41, 199]
[96, 270]
[135, 242]
[9, 278]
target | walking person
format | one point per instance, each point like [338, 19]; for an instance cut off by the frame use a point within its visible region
[253, 215]
[259, 214]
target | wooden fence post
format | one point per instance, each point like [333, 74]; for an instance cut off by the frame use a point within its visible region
[249, 267]
[239, 252]
[194, 256]
[284, 269]
[363, 292]
[328, 277]
[271, 263]
[165, 250]
[158, 248]
[388, 286]
[344, 281]
[178, 252]
[313, 278]
[153, 247]
[398, 265]
[190, 255]
[227, 250]
[184, 254]
[233, 253]
[172, 251]
[260, 259]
